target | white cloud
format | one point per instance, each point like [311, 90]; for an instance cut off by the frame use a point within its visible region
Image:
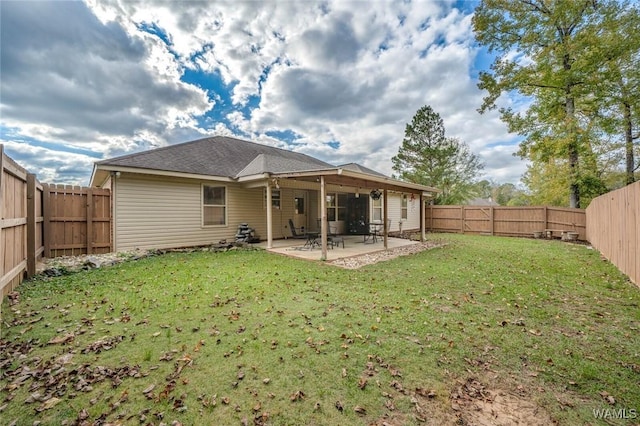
[89, 91]
[329, 71]
[52, 164]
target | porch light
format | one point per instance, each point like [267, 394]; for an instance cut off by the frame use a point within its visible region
[376, 194]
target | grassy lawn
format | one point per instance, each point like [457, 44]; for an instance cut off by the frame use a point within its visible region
[248, 337]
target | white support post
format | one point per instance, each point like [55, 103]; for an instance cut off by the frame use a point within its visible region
[423, 219]
[269, 218]
[385, 209]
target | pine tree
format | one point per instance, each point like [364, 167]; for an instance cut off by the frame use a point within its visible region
[428, 157]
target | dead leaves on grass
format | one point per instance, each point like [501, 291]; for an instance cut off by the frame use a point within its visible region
[61, 340]
[297, 396]
[373, 368]
[104, 344]
[608, 398]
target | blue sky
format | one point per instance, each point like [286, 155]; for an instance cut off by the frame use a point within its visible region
[338, 80]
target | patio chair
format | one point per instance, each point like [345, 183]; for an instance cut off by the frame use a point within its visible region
[297, 233]
[333, 238]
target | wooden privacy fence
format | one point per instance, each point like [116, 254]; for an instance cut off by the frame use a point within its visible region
[613, 228]
[46, 220]
[505, 221]
[77, 220]
[21, 223]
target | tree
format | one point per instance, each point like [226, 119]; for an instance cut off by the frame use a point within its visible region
[618, 102]
[547, 56]
[427, 157]
[504, 194]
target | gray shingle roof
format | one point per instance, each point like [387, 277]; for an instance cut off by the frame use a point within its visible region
[219, 156]
[355, 167]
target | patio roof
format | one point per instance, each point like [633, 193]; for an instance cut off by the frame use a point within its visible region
[352, 178]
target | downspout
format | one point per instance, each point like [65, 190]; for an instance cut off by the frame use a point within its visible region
[114, 210]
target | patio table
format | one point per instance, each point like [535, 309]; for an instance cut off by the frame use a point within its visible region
[312, 240]
[374, 232]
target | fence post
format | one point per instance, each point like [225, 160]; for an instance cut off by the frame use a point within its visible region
[89, 221]
[431, 217]
[46, 219]
[462, 219]
[31, 225]
[491, 219]
[546, 218]
[2, 254]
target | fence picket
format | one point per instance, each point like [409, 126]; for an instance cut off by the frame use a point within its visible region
[613, 229]
[46, 220]
[505, 221]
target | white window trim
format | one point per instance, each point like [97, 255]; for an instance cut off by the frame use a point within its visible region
[278, 199]
[404, 208]
[337, 207]
[273, 192]
[374, 208]
[226, 206]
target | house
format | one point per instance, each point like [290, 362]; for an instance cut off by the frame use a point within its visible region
[197, 193]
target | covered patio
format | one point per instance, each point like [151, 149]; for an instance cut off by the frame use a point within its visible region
[348, 181]
[354, 245]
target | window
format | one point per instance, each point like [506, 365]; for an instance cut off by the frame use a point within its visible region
[342, 206]
[331, 207]
[275, 199]
[403, 207]
[214, 205]
[298, 205]
[377, 209]
[336, 207]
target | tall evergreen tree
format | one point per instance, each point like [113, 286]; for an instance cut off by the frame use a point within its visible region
[428, 157]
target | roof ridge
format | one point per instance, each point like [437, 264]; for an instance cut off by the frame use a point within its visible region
[257, 158]
[211, 138]
[162, 148]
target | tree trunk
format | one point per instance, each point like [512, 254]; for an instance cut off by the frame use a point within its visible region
[574, 172]
[572, 130]
[628, 138]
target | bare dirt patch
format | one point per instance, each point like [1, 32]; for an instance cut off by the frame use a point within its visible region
[475, 404]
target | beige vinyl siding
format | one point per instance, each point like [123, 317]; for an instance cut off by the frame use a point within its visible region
[395, 212]
[413, 212]
[246, 206]
[157, 212]
[280, 218]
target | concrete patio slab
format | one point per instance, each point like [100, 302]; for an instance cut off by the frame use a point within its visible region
[354, 245]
